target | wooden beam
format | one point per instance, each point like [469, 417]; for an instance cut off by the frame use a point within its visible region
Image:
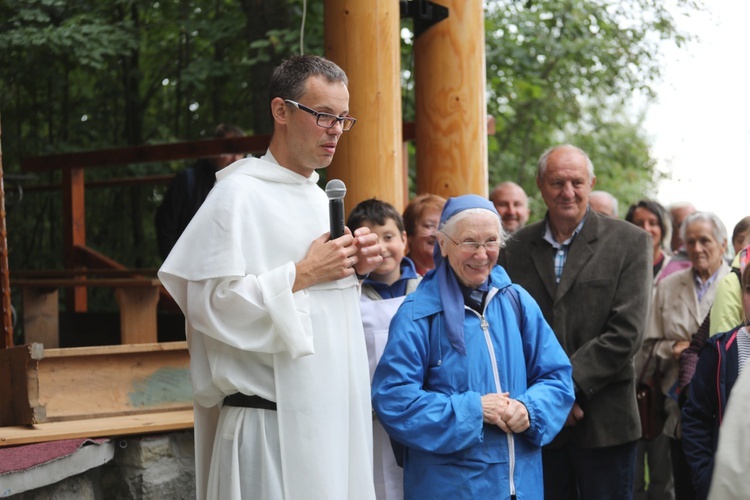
[145, 154]
[74, 230]
[94, 382]
[6, 322]
[88, 282]
[19, 385]
[69, 273]
[125, 425]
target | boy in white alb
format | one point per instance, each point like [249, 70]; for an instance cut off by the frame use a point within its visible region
[383, 291]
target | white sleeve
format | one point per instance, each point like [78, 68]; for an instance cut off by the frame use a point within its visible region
[253, 313]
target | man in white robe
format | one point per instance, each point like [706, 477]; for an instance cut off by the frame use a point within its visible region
[272, 312]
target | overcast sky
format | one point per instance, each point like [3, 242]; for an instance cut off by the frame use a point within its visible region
[700, 126]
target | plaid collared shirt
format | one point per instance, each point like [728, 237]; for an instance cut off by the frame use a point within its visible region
[561, 254]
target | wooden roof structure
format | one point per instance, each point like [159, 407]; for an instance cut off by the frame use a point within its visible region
[363, 37]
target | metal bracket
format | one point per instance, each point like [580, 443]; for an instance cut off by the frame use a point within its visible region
[424, 13]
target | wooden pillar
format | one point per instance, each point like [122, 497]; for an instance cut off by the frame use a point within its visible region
[450, 119]
[6, 335]
[41, 316]
[362, 37]
[138, 314]
[74, 230]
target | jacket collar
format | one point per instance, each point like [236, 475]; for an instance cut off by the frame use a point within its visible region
[427, 297]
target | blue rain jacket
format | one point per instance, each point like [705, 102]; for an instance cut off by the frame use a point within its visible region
[428, 396]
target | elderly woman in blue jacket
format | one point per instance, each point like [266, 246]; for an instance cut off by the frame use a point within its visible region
[472, 380]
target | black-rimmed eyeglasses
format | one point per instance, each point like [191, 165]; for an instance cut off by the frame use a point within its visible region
[325, 120]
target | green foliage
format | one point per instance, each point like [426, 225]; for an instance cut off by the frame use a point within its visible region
[92, 74]
[564, 71]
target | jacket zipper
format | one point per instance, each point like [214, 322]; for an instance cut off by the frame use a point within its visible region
[496, 374]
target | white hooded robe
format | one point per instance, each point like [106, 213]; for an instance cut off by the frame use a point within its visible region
[232, 272]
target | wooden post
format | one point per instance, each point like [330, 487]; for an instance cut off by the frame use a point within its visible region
[137, 314]
[74, 229]
[6, 336]
[41, 316]
[362, 37]
[19, 386]
[451, 123]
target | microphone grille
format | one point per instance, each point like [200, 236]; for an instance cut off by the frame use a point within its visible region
[335, 189]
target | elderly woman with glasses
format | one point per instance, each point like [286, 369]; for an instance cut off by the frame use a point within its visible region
[473, 381]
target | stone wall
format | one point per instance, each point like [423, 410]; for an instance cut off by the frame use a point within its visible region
[158, 467]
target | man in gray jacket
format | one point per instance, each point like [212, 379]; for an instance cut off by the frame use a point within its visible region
[591, 276]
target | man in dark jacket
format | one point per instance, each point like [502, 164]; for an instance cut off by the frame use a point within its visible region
[591, 276]
[188, 190]
[715, 374]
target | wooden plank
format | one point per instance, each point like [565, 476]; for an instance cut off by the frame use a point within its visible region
[70, 273]
[126, 425]
[55, 385]
[86, 282]
[19, 388]
[145, 154]
[149, 180]
[158, 153]
[115, 349]
[78, 383]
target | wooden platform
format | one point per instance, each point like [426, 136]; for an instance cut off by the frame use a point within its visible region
[57, 394]
[125, 425]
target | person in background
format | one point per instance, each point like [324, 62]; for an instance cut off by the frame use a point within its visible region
[680, 260]
[726, 312]
[741, 234]
[512, 204]
[421, 217]
[722, 360]
[591, 276]
[605, 203]
[472, 380]
[681, 303]
[730, 480]
[187, 191]
[277, 352]
[654, 219]
[383, 291]
[679, 211]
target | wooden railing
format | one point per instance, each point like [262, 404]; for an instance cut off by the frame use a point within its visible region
[73, 166]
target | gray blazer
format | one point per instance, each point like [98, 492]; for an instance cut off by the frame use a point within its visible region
[598, 312]
[676, 315]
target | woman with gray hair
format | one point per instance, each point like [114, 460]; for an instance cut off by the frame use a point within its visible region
[680, 305]
[653, 218]
[472, 381]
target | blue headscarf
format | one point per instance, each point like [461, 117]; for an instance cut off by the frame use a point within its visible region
[448, 286]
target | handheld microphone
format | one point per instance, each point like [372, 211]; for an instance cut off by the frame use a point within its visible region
[336, 190]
